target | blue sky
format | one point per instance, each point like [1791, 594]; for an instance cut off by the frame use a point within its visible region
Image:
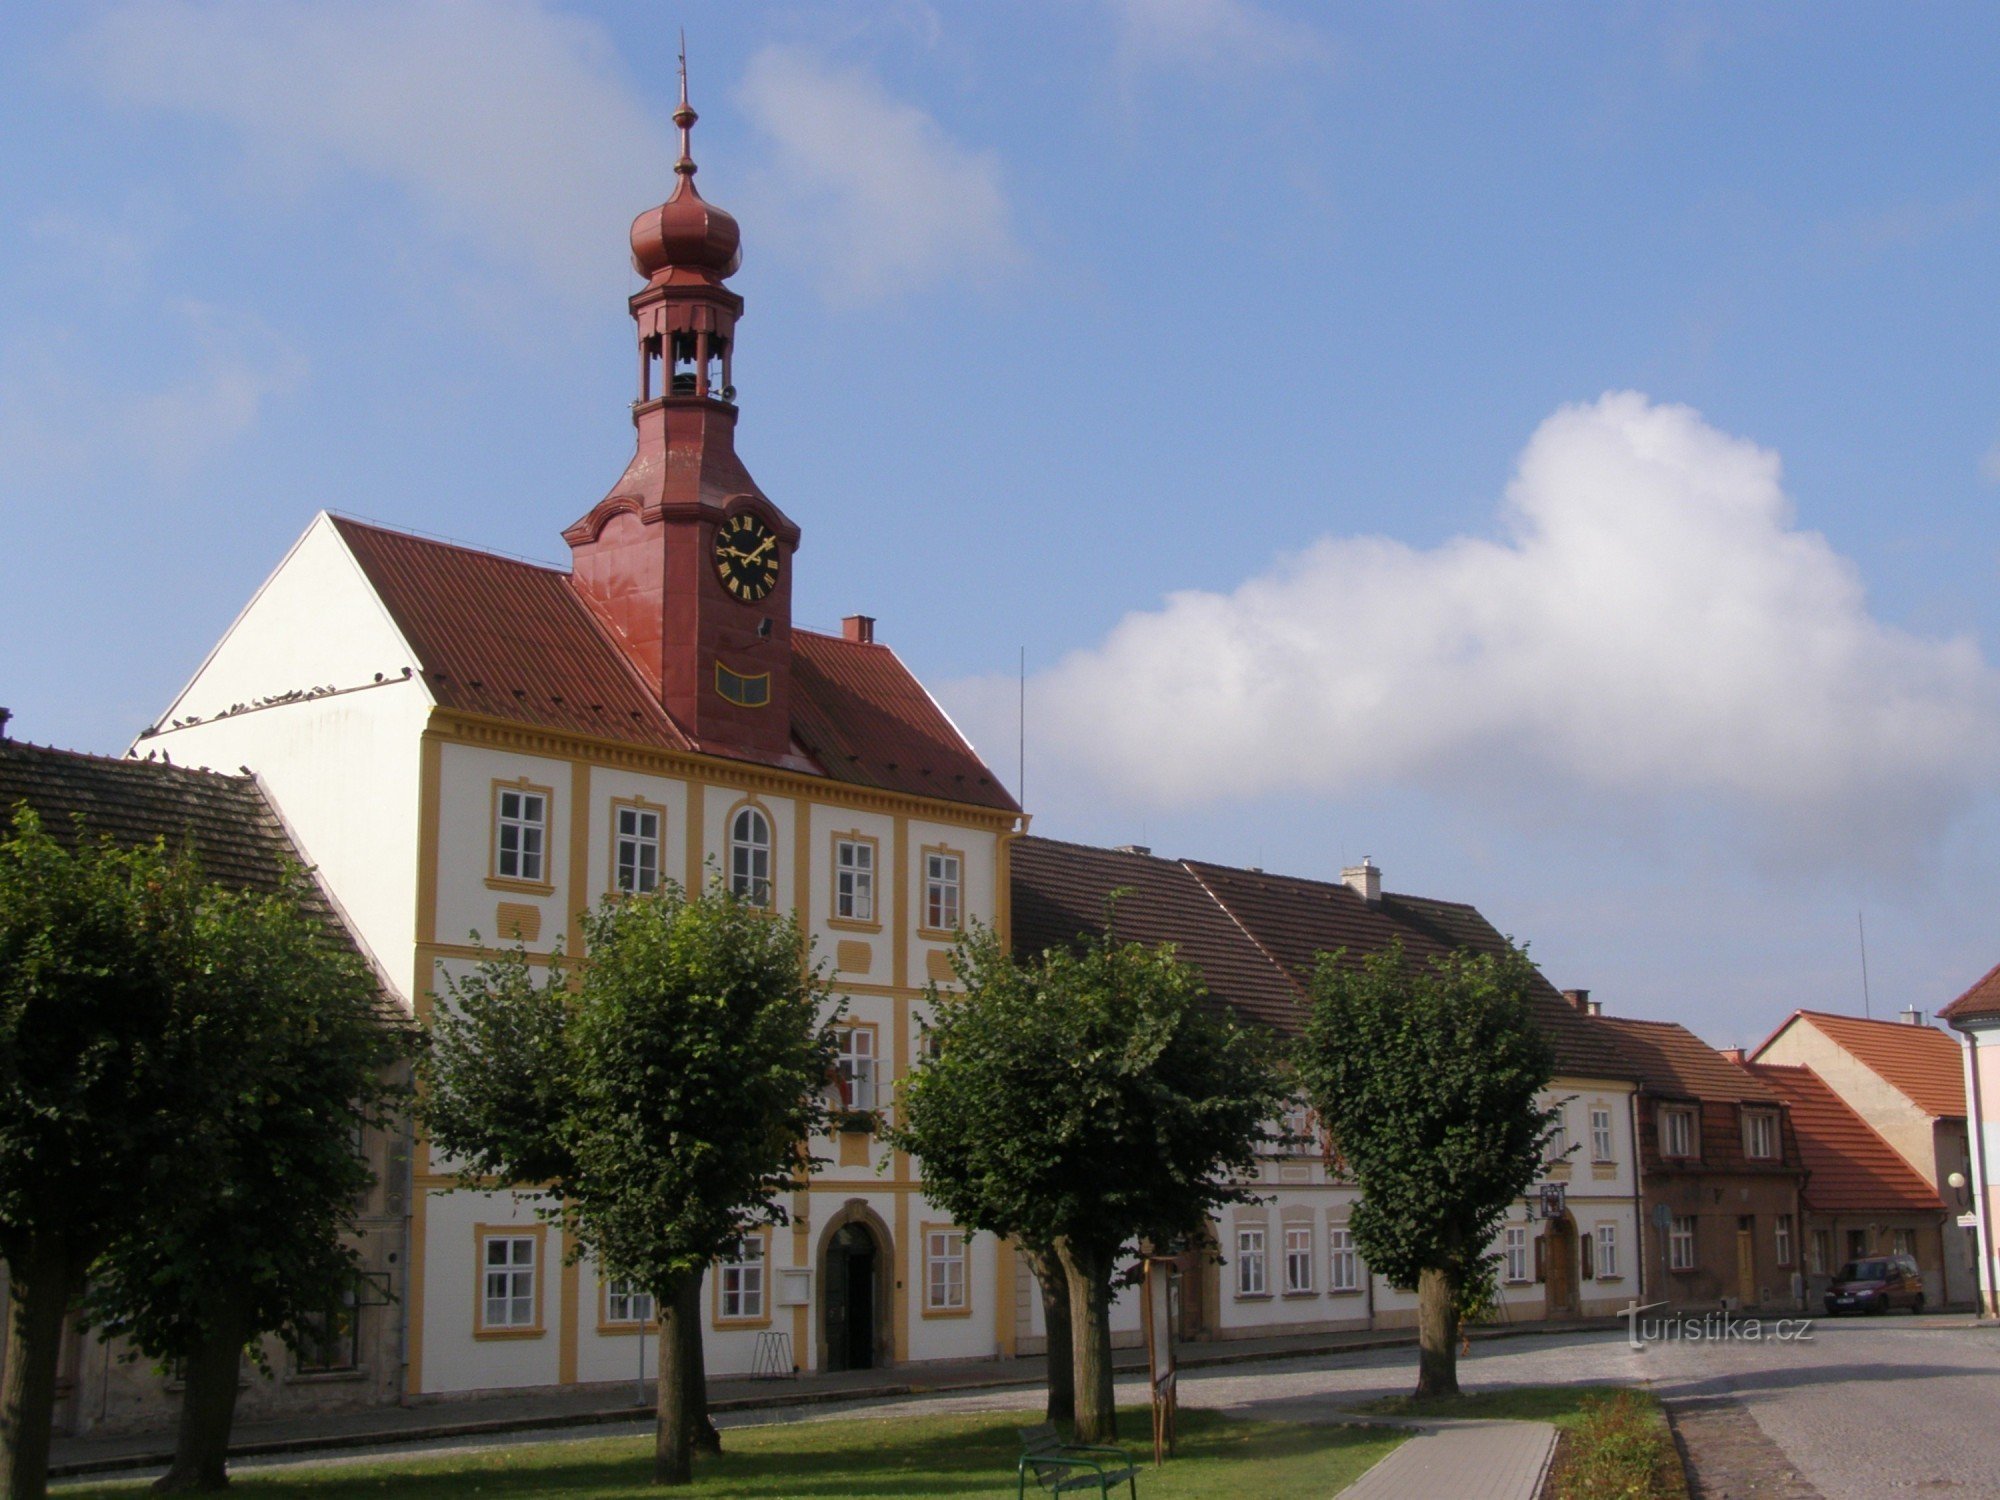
[1551, 450]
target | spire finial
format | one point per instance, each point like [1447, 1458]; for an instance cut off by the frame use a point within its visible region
[685, 115]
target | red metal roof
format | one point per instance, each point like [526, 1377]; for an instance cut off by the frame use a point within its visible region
[512, 640]
[1850, 1168]
[1920, 1062]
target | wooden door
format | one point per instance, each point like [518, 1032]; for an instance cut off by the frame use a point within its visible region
[1746, 1261]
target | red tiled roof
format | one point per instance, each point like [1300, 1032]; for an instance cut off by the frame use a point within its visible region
[1980, 1002]
[1851, 1168]
[1920, 1062]
[1673, 1062]
[512, 640]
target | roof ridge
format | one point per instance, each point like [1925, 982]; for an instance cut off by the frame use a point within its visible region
[100, 758]
[433, 539]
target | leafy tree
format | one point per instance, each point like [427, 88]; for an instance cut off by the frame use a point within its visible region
[246, 1229]
[1427, 1079]
[1087, 1101]
[93, 1096]
[662, 1094]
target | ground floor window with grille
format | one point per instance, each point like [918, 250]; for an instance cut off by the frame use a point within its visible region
[1607, 1251]
[1298, 1258]
[1343, 1265]
[624, 1302]
[1250, 1280]
[510, 1281]
[944, 1270]
[330, 1341]
[742, 1294]
[1680, 1243]
[1517, 1253]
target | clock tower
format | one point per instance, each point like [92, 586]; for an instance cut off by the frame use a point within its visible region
[686, 562]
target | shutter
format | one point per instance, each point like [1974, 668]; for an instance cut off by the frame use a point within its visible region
[1541, 1257]
[1587, 1246]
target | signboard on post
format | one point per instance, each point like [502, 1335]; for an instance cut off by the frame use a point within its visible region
[1156, 1313]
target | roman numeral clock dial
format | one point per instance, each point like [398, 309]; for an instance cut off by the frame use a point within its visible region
[746, 557]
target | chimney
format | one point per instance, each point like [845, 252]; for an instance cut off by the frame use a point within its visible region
[1364, 879]
[5, 715]
[1582, 1001]
[1734, 1054]
[859, 628]
[1134, 848]
[1911, 1016]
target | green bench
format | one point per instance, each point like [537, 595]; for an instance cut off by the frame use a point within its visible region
[1059, 1468]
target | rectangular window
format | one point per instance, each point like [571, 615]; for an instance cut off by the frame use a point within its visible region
[1343, 1265]
[510, 1281]
[1783, 1239]
[1558, 1135]
[1250, 1281]
[1821, 1251]
[1903, 1241]
[742, 1279]
[1676, 1131]
[636, 861]
[625, 1303]
[520, 835]
[1760, 1135]
[854, 880]
[1857, 1243]
[944, 1270]
[1607, 1251]
[331, 1340]
[1517, 1253]
[942, 886]
[1600, 1135]
[1298, 1125]
[1680, 1243]
[857, 1067]
[1298, 1258]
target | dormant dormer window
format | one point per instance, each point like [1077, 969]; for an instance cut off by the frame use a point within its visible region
[750, 856]
[1760, 1134]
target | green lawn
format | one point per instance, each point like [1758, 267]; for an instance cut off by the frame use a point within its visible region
[908, 1457]
[1560, 1404]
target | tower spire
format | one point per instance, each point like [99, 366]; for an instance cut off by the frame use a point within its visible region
[684, 116]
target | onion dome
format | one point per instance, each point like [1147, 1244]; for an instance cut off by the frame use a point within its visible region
[687, 232]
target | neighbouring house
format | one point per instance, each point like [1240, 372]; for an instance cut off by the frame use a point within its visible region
[474, 749]
[1861, 1197]
[1907, 1080]
[1720, 1174]
[1570, 1248]
[235, 831]
[1975, 1016]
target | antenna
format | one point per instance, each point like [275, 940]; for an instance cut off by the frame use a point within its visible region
[1021, 723]
[1862, 927]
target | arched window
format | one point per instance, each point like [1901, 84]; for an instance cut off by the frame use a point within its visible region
[750, 856]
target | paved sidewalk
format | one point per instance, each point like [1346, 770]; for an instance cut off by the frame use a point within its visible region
[1465, 1461]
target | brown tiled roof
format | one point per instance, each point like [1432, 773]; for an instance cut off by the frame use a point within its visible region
[1920, 1062]
[1980, 1002]
[512, 640]
[1672, 1062]
[1257, 937]
[1853, 1170]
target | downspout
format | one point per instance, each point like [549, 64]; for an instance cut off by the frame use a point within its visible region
[409, 1147]
[1638, 1203]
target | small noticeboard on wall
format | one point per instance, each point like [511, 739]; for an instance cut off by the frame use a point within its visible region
[1156, 1312]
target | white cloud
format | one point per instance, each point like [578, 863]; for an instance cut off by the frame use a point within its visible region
[508, 127]
[1654, 631]
[870, 189]
[1208, 35]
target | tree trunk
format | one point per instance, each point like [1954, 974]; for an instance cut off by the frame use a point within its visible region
[673, 1448]
[1055, 1317]
[1089, 1275]
[1437, 1334]
[208, 1406]
[43, 1283]
[701, 1431]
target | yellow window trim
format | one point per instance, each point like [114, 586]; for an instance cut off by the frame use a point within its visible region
[924, 1232]
[639, 803]
[762, 1320]
[481, 1233]
[833, 919]
[495, 881]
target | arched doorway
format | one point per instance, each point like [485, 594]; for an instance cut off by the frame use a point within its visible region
[1559, 1275]
[853, 1300]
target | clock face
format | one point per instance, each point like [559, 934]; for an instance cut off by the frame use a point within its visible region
[746, 557]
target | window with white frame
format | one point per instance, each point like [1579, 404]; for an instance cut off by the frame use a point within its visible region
[1680, 1243]
[1677, 1137]
[1760, 1134]
[1782, 1237]
[742, 1283]
[1298, 1125]
[854, 880]
[750, 856]
[943, 876]
[1600, 1134]
[1558, 1147]
[1343, 1266]
[1821, 1251]
[509, 1290]
[1298, 1258]
[636, 842]
[1607, 1251]
[1250, 1279]
[520, 835]
[624, 1302]
[856, 1063]
[1517, 1253]
[944, 1270]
